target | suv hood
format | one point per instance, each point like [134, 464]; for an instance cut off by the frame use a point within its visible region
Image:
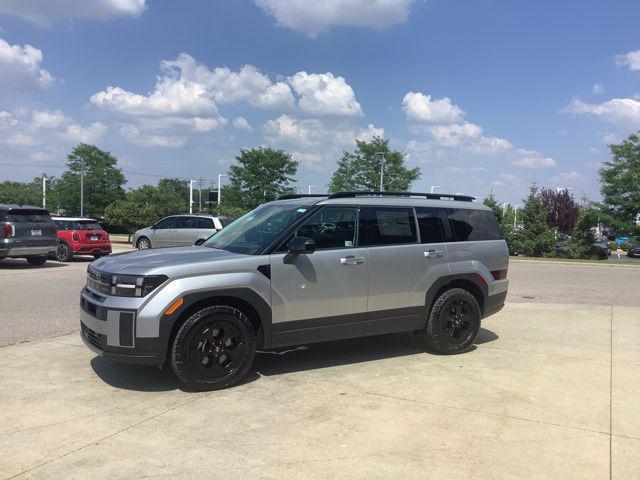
[143, 262]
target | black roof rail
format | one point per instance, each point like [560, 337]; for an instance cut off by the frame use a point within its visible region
[289, 196]
[430, 196]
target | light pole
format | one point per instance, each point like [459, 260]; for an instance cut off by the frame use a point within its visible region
[515, 216]
[380, 157]
[310, 187]
[82, 187]
[504, 209]
[220, 175]
[44, 190]
[191, 196]
[433, 187]
[566, 189]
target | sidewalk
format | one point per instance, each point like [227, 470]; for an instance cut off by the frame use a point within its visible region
[551, 391]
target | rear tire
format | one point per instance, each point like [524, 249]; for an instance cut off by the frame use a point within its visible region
[64, 252]
[98, 255]
[454, 322]
[143, 243]
[214, 348]
[37, 260]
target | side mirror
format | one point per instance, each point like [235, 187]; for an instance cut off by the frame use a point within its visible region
[301, 245]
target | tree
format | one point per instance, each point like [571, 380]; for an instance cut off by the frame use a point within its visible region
[24, 193]
[562, 209]
[493, 204]
[103, 182]
[620, 182]
[259, 175]
[360, 170]
[535, 239]
[581, 243]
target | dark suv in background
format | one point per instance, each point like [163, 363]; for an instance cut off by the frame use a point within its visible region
[26, 232]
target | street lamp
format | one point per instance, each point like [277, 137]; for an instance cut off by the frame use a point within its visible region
[191, 196]
[44, 190]
[220, 175]
[310, 187]
[380, 156]
[81, 187]
[515, 216]
[433, 187]
[566, 189]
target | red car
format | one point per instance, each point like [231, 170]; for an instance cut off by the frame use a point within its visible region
[80, 236]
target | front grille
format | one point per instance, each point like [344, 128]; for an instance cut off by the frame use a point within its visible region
[94, 338]
[99, 281]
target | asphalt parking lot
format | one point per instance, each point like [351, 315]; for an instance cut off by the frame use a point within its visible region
[550, 391]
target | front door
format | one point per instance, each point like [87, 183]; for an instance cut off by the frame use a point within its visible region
[186, 232]
[163, 232]
[322, 295]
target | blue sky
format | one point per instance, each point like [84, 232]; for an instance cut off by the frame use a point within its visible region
[480, 94]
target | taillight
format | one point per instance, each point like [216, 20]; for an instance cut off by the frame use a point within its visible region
[499, 274]
[75, 236]
[8, 230]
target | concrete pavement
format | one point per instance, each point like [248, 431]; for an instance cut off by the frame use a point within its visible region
[551, 391]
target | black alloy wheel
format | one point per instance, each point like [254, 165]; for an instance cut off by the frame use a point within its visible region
[454, 322]
[63, 252]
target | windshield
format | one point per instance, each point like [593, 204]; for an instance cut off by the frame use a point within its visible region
[86, 225]
[257, 229]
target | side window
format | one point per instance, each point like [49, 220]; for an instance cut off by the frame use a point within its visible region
[332, 227]
[59, 225]
[470, 225]
[205, 222]
[166, 223]
[430, 224]
[186, 222]
[388, 226]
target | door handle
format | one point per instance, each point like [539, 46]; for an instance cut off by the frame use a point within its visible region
[351, 260]
[433, 253]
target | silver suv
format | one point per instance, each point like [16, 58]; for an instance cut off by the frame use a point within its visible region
[298, 270]
[179, 231]
[27, 232]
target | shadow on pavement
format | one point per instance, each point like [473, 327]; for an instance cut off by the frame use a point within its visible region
[277, 362]
[21, 264]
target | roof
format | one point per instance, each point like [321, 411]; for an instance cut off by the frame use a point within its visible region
[6, 206]
[73, 219]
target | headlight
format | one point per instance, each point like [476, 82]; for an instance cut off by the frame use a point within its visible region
[124, 285]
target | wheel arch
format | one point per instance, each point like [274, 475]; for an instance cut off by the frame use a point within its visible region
[474, 283]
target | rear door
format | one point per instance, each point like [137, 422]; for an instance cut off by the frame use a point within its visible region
[186, 232]
[163, 232]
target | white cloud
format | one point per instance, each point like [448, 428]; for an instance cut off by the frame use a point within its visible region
[532, 159]
[572, 177]
[367, 134]
[48, 118]
[315, 17]
[21, 140]
[324, 94]
[310, 160]
[241, 123]
[7, 120]
[307, 133]
[88, 134]
[624, 112]
[44, 12]
[133, 135]
[506, 179]
[422, 109]
[20, 68]
[609, 138]
[629, 59]
[597, 89]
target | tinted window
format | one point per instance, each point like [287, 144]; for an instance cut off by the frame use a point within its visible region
[28, 216]
[430, 224]
[332, 227]
[86, 225]
[186, 222]
[472, 225]
[169, 222]
[389, 226]
[204, 222]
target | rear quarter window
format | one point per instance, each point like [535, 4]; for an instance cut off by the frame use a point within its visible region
[469, 225]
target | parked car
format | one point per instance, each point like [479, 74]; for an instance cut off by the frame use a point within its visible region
[603, 248]
[634, 247]
[26, 232]
[179, 231]
[298, 270]
[80, 236]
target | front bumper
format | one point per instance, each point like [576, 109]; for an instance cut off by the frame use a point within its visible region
[109, 329]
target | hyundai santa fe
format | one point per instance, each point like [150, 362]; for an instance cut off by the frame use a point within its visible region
[299, 270]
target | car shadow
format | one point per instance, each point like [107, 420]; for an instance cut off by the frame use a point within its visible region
[278, 361]
[22, 264]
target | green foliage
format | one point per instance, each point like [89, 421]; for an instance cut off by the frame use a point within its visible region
[103, 182]
[581, 243]
[228, 211]
[360, 170]
[492, 203]
[259, 175]
[620, 183]
[24, 193]
[535, 239]
[145, 205]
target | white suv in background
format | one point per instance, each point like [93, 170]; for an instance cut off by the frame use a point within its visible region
[179, 231]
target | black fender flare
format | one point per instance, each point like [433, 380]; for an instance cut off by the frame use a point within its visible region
[459, 280]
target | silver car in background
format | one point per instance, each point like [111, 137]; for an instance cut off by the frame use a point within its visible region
[179, 231]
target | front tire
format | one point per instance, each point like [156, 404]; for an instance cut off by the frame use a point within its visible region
[143, 243]
[37, 260]
[64, 253]
[454, 322]
[214, 348]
